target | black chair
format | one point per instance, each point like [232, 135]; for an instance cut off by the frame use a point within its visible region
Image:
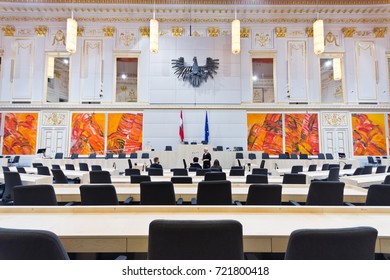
[256, 178]
[214, 193]
[381, 169]
[14, 161]
[180, 172]
[11, 179]
[133, 155]
[59, 156]
[29, 244]
[194, 143]
[93, 155]
[21, 170]
[239, 155]
[264, 194]
[99, 177]
[378, 195]
[145, 155]
[109, 155]
[34, 195]
[324, 194]
[262, 163]
[74, 156]
[121, 155]
[5, 168]
[295, 169]
[294, 178]
[219, 148]
[215, 176]
[294, 156]
[55, 166]
[181, 179]
[328, 156]
[312, 167]
[237, 172]
[96, 168]
[69, 166]
[263, 171]
[202, 172]
[238, 148]
[136, 179]
[388, 169]
[184, 163]
[367, 170]
[347, 166]
[303, 156]
[264, 156]
[387, 180]
[43, 170]
[371, 160]
[168, 148]
[321, 156]
[282, 156]
[131, 171]
[252, 156]
[334, 166]
[130, 163]
[195, 240]
[357, 243]
[83, 166]
[59, 177]
[100, 195]
[334, 174]
[155, 172]
[325, 167]
[36, 164]
[158, 193]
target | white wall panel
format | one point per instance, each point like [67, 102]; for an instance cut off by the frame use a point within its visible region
[366, 70]
[91, 71]
[22, 69]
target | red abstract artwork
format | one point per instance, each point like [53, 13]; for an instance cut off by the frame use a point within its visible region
[301, 133]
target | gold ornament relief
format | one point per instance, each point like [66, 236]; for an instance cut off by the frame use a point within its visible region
[262, 39]
[331, 39]
[244, 32]
[54, 119]
[380, 32]
[9, 30]
[334, 119]
[59, 38]
[80, 31]
[177, 31]
[348, 32]
[40, 30]
[309, 32]
[280, 32]
[213, 31]
[109, 31]
[145, 31]
[127, 39]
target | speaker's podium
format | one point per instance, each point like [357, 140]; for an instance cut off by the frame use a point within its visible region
[190, 151]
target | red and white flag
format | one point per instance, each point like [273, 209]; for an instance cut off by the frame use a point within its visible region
[181, 128]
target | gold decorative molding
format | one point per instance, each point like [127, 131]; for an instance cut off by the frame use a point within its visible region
[40, 30]
[54, 119]
[9, 30]
[213, 31]
[380, 32]
[244, 32]
[80, 31]
[331, 39]
[109, 31]
[263, 39]
[334, 119]
[280, 32]
[59, 38]
[177, 31]
[309, 32]
[145, 31]
[348, 32]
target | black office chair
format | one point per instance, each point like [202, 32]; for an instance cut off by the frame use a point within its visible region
[282, 156]
[294, 156]
[69, 166]
[93, 155]
[5, 168]
[334, 175]
[264, 156]
[295, 169]
[121, 155]
[264, 194]
[214, 193]
[181, 179]
[325, 167]
[11, 179]
[14, 161]
[367, 170]
[252, 156]
[325, 194]
[59, 177]
[109, 155]
[74, 156]
[263, 171]
[239, 155]
[99, 177]
[155, 172]
[219, 148]
[328, 156]
[303, 156]
[256, 178]
[158, 193]
[55, 166]
[321, 156]
[387, 180]
[83, 166]
[195, 240]
[347, 166]
[215, 176]
[358, 171]
[59, 156]
[357, 243]
[133, 155]
[34, 195]
[131, 171]
[145, 155]
[294, 178]
[312, 167]
[43, 170]
[378, 195]
[334, 166]
[371, 160]
[30, 244]
[168, 148]
[96, 167]
[21, 170]
[381, 169]
[180, 172]
[201, 172]
[100, 195]
[136, 179]
[36, 164]
[237, 172]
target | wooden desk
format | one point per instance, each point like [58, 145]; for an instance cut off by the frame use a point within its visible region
[71, 192]
[126, 228]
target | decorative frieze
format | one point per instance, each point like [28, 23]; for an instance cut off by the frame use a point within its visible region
[9, 30]
[348, 32]
[40, 30]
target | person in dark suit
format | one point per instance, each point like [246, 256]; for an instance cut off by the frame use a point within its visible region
[156, 163]
[195, 163]
[206, 159]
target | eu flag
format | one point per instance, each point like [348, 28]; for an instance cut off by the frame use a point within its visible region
[206, 129]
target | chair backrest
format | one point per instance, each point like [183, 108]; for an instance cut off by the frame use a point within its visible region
[74, 156]
[195, 240]
[312, 167]
[296, 169]
[59, 156]
[43, 170]
[256, 178]
[303, 156]
[59, 176]
[215, 176]
[180, 172]
[387, 180]
[334, 174]
[294, 156]
[252, 156]
[219, 148]
[329, 156]
[184, 163]
[265, 156]
[334, 166]
[367, 170]
[168, 148]
[381, 169]
[5, 168]
[264, 194]
[83, 166]
[132, 171]
[358, 171]
[181, 179]
[34, 195]
[202, 172]
[133, 155]
[263, 171]
[99, 177]
[347, 166]
[36, 164]
[357, 243]
[28, 244]
[145, 155]
[326, 193]
[96, 167]
[155, 172]
[282, 156]
[321, 156]
[93, 155]
[237, 172]
[214, 193]
[289, 178]
[378, 195]
[371, 160]
[11, 179]
[325, 167]
[69, 166]
[98, 195]
[157, 193]
[55, 166]
[239, 155]
[109, 155]
[135, 179]
[21, 169]
[121, 155]
[16, 159]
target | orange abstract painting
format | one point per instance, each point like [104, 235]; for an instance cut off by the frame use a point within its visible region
[124, 133]
[87, 133]
[265, 133]
[301, 133]
[369, 137]
[20, 133]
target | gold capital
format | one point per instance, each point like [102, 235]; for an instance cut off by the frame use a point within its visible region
[177, 31]
[109, 31]
[348, 32]
[380, 32]
[281, 32]
[213, 31]
[244, 32]
[9, 30]
[80, 31]
[309, 31]
[145, 31]
[40, 30]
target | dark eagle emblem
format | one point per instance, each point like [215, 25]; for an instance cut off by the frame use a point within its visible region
[195, 74]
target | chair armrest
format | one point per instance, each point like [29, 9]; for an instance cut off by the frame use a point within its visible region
[293, 202]
[179, 201]
[349, 204]
[193, 201]
[128, 200]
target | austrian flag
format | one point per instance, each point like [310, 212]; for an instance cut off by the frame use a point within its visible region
[181, 128]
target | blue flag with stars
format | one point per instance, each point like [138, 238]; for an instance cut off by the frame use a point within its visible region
[206, 129]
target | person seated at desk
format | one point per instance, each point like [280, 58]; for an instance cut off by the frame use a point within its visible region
[206, 158]
[216, 166]
[195, 164]
[156, 163]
